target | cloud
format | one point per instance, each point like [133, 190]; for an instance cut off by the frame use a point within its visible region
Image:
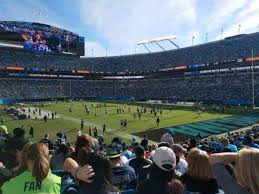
[227, 15]
[123, 23]
[118, 25]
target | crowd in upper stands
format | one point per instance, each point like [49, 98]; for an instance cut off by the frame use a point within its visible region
[234, 48]
[226, 164]
[37, 60]
[213, 88]
[228, 49]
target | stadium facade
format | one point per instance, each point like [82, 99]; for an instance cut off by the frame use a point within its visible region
[223, 71]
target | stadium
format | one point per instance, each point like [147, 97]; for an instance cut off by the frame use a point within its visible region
[207, 94]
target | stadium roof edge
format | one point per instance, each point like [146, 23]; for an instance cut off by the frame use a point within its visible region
[139, 54]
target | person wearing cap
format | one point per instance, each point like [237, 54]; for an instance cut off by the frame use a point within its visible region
[140, 164]
[123, 176]
[179, 152]
[161, 173]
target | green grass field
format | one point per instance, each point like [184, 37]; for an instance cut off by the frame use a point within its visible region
[69, 122]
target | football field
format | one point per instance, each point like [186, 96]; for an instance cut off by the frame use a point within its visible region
[71, 114]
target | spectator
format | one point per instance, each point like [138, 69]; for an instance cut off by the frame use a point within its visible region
[47, 141]
[37, 178]
[59, 156]
[81, 142]
[215, 144]
[237, 142]
[11, 158]
[167, 137]
[192, 144]
[127, 151]
[144, 142]
[153, 148]
[18, 132]
[101, 181]
[199, 177]
[140, 164]
[249, 141]
[246, 175]
[161, 173]
[61, 138]
[179, 152]
[226, 144]
[123, 176]
[176, 187]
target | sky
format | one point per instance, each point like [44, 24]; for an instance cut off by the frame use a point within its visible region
[114, 27]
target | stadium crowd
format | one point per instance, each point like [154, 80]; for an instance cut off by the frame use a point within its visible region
[233, 48]
[235, 88]
[224, 50]
[37, 60]
[227, 164]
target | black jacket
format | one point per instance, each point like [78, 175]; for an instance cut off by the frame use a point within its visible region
[201, 186]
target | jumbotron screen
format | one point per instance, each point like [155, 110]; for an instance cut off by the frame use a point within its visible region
[36, 37]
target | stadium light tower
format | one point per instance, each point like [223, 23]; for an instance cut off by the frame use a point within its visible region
[158, 40]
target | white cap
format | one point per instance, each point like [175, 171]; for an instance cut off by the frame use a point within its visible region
[164, 158]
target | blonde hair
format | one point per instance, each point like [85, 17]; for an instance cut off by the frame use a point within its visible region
[247, 169]
[198, 165]
[37, 155]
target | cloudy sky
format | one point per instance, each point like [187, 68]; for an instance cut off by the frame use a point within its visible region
[117, 25]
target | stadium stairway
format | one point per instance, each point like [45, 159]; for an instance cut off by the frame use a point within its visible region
[216, 126]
